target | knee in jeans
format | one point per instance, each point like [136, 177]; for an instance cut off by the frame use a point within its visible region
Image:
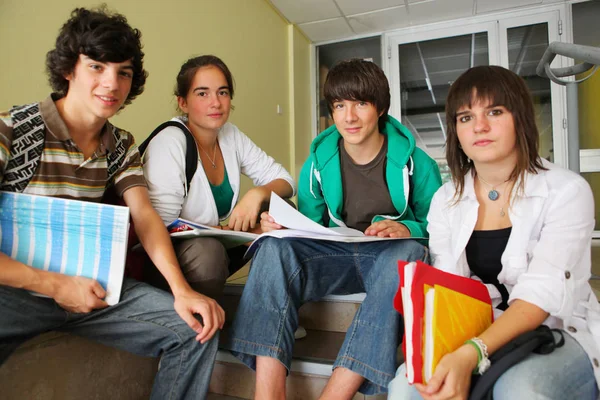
[412, 250]
[272, 248]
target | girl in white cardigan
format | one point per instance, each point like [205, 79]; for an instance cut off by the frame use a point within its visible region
[523, 226]
[204, 92]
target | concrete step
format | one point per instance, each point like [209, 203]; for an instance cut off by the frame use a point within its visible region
[214, 396]
[306, 381]
[326, 322]
[333, 313]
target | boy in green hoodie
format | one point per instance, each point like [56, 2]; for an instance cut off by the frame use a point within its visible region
[365, 173]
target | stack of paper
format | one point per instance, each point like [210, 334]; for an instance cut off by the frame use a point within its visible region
[66, 236]
[441, 311]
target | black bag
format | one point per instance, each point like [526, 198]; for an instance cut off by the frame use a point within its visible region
[539, 341]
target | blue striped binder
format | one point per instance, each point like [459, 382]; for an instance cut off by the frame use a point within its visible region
[67, 236]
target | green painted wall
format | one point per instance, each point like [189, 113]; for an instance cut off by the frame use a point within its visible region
[589, 129]
[249, 35]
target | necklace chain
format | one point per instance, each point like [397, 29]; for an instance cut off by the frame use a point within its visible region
[494, 195]
[213, 159]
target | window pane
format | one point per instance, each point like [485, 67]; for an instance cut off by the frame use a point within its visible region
[526, 46]
[427, 69]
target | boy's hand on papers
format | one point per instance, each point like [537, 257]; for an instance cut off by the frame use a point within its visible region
[387, 228]
[78, 294]
[452, 377]
[189, 303]
[267, 223]
[245, 213]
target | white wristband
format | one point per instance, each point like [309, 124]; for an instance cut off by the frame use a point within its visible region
[484, 364]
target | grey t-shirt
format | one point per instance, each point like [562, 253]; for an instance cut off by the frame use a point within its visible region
[365, 189]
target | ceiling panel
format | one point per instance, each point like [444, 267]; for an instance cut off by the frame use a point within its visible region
[298, 12]
[392, 18]
[327, 30]
[433, 11]
[350, 7]
[495, 5]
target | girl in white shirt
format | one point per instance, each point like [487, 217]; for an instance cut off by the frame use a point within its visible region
[204, 92]
[521, 225]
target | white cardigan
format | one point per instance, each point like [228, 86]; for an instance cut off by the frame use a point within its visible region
[547, 260]
[164, 170]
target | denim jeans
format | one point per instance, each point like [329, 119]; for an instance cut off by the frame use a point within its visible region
[566, 373]
[286, 273]
[143, 322]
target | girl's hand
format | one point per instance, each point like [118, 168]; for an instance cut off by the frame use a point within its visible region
[267, 223]
[451, 379]
[245, 214]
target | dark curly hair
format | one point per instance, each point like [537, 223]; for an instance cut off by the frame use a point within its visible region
[102, 36]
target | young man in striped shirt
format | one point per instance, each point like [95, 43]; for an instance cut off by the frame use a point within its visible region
[95, 70]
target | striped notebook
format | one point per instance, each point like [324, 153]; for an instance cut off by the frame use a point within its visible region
[66, 236]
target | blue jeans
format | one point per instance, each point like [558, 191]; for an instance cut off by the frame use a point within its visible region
[287, 273]
[566, 373]
[143, 322]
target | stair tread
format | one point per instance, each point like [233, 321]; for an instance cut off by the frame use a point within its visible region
[215, 396]
[236, 289]
[318, 346]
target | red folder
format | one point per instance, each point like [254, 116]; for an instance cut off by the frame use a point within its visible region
[427, 275]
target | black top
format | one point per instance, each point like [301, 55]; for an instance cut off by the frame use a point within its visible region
[484, 254]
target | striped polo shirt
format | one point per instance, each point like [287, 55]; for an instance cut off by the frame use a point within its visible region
[63, 171]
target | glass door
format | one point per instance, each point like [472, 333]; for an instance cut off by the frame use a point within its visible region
[422, 66]
[523, 41]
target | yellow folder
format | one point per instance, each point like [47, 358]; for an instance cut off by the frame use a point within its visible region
[451, 318]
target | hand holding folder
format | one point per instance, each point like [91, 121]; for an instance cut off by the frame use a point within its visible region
[441, 311]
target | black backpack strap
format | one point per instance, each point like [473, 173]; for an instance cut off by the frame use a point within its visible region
[540, 341]
[191, 153]
[29, 133]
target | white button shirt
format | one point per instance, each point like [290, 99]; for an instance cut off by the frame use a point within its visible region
[547, 260]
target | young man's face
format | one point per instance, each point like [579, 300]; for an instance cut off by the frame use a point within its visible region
[356, 120]
[99, 88]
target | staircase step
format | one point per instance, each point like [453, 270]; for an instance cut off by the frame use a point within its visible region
[333, 313]
[325, 321]
[306, 381]
[214, 396]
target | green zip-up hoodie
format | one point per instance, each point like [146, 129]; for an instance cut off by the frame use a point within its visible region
[412, 178]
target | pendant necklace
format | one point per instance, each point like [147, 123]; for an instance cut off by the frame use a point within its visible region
[502, 213]
[493, 194]
[213, 159]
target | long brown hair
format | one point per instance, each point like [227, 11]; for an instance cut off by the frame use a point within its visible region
[500, 87]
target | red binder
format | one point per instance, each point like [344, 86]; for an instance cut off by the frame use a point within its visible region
[424, 274]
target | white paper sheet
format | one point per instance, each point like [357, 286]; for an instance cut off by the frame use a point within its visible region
[287, 216]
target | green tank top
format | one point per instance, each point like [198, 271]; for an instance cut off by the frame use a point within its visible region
[223, 195]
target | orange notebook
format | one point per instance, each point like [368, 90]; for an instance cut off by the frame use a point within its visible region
[441, 311]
